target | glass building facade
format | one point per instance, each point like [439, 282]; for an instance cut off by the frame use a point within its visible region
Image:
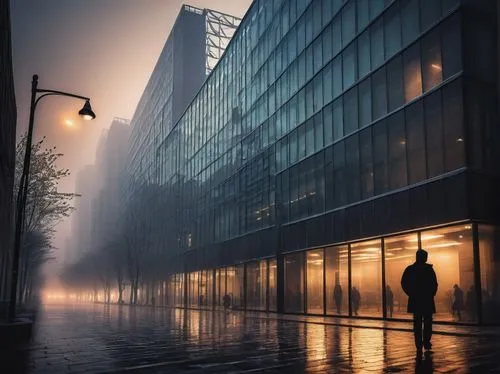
[333, 139]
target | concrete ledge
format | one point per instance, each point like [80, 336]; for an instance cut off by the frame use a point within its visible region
[15, 333]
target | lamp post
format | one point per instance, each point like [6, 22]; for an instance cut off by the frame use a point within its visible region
[87, 114]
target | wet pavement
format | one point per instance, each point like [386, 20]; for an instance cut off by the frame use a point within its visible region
[120, 339]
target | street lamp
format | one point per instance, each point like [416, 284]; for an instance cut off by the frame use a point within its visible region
[87, 114]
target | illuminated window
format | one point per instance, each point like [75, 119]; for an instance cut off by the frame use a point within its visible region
[294, 283]
[336, 264]
[366, 278]
[450, 253]
[412, 73]
[315, 281]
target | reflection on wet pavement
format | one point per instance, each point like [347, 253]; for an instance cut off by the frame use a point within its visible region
[98, 338]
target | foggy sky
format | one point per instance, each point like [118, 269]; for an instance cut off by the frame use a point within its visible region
[103, 49]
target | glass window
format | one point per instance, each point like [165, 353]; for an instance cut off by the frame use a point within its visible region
[301, 104]
[337, 34]
[309, 137]
[318, 55]
[409, 20]
[338, 119]
[294, 282]
[318, 92]
[379, 94]
[380, 175]
[431, 12]
[273, 285]
[337, 76]
[399, 253]
[352, 168]
[348, 23]
[339, 181]
[337, 273]
[309, 62]
[365, 102]
[376, 7]
[434, 134]
[453, 118]
[452, 46]
[397, 150]
[317, 23]
[329, 184]
[301, 140]
[234, 284]
[314, 278]
[256, 285]
[489, 261]
[450, 253]
[294, 147]
[363, 12]
[412, 73]
[328, 124]
[318, 132]
[327, 83]
[364, 53]
[377, 43]
[366, 278]
[431, 60]
[220, 286]
[395, 83]
[415, 142]
[309, 25]
[351, 111]
[301, 34]
[392, 31]
[366, 156]
[349, 65]
[327, 43]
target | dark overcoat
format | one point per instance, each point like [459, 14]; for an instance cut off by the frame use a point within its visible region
[419, 282]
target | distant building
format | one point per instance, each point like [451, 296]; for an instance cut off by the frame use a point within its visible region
[8, 117]
[99, 205]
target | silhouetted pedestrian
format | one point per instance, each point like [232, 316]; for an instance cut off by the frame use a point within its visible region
[226, 301]
[356, 300]
[201, 300]
[153, 301]
[420, 284]
[389, 299]
[337, 297]
[458, 301]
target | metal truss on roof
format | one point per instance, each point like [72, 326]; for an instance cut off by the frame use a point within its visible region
[220, 28]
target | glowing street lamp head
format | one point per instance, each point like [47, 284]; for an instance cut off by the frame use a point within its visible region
[86, 112]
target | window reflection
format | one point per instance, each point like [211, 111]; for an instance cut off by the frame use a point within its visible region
[366, 278]
[336, 264]
[315, 281]
[450, 253]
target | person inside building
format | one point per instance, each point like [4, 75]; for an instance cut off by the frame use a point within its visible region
[226, 301]
[356, 300]
[337, 297]
[389, 299]
[419, 282]
[201, 300]
[458, 301]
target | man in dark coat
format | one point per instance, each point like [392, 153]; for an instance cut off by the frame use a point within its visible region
[420, 284]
